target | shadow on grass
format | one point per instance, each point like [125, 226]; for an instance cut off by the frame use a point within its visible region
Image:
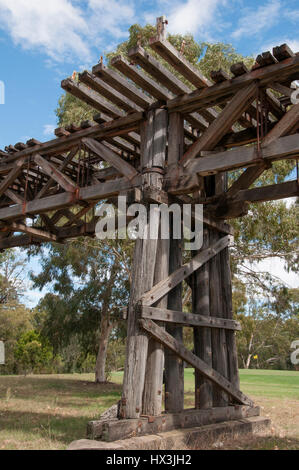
[58, 427]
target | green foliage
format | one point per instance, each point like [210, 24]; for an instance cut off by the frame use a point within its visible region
[33, 353]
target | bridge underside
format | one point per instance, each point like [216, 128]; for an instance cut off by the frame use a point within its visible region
[163, 133]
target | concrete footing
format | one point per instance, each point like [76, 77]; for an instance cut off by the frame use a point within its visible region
[188, 438]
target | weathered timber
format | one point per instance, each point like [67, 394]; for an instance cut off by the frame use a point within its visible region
[219, 346]
[155, 89]
[269, 193]
[164, 76]
[119, 82]
[36, 232]
[178, 61]
[283, 148]
[280, 129]
[155, 156]
[66, 183]
[108, 92]
[174, 367]
[168, 341]
[12, 176]
[178, 276]
[187, 319]
[283, 52]
[124, 429]
[50, 203]
[210, 96]
[233, 110]
[111, 157]
[153, 148]
[202, 335]
[112, 128]
[91, 97]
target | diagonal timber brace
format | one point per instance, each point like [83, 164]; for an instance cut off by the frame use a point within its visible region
[167, 340]
[178, 276]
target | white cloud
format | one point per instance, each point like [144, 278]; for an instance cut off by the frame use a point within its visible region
[61, 28]
[194, 16]
[276, 267]
[53, 27]
[258, 20]
[49, 129]
[110, 16]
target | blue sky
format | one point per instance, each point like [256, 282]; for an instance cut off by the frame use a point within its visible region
[43, 42]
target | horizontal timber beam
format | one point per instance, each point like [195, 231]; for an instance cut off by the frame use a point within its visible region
[283, 148]
[187, 319]
[113, 128]
[67, 199]
[171, 343]
[209, 96]
[125, 428]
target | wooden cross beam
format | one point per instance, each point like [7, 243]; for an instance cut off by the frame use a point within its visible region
[210, 96]
[233, 110]
[187, 319]
[111, 157]
[280, 129]
[178, 276]
[179, 349]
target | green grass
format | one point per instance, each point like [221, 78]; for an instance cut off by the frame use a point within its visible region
[50, 411]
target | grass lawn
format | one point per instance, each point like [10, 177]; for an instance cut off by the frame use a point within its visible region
[50, 411]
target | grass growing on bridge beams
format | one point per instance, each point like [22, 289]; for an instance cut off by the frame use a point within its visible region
[50, 411]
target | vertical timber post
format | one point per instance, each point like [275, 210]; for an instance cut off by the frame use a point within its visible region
[219, 346]
[153, 148]
[202, 335]
[174, 366]
[152, 395]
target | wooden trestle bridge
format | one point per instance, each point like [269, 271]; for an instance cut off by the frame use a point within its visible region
[164, 141]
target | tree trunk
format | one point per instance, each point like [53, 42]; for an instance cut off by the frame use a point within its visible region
[105, 330]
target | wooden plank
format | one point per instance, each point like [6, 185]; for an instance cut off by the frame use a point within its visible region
[167, 340]
[154, 155]
[165, 77]
[178, 61]
[36, 232]
[90, 97]
[233, 110]
[217, 308]
[122, 429]
[187, 319]
[269, 193]
[67, 199]
[12, 176]
[119, 82]
[66, 183]
[180, 274]
[61, 167]
[202, 337]
[112, 128]
[283, 148]
[153, 152]
[174, 367]
[280, 129]
[108, 92]
[209, 96]
[111, 157]
[141, 79]
[283, 52]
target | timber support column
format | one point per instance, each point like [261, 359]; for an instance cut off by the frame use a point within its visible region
[174, 366]
[142, 393]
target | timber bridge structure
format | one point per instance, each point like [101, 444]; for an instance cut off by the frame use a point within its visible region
[163, 140]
